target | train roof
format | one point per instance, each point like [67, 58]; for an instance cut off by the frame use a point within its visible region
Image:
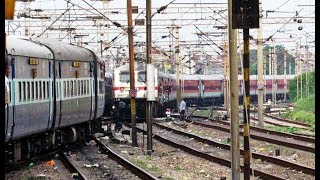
[218, 77]
[137, 67]
[192, 76]
[64, 51]
[23, 47]
[255, 77]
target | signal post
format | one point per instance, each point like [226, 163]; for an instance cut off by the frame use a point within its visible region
[132, 84]
[245, 15]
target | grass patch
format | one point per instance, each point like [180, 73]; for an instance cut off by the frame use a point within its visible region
[178, 168]
[201, 113]
[304, 111]
[285, 129]
[144, 165]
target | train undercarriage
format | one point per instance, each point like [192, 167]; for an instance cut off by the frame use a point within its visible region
[41, 143]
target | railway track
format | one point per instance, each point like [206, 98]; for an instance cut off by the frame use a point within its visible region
[125, 163]
[284, 139]
[275, 160]
[288, 121]
[194, 151]
[270, 119]
[20, 164]
[67, 162]
[70, 165]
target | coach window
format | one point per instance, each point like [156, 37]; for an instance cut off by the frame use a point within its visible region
[20, 92]
[71, 89]
[40, 90]
[75, 87]
[32, 92]
[124, 77]
[79, 87]
[28, 91]
[37, 90]
[64, 88]
[84, 87]
[142, 76]
[45, 89]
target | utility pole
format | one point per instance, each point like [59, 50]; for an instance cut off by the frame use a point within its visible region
[26, 20]
[234, 91]
[274, 81]
[150, 80]
[178, 63]
[175, 34]
[132, 80]
[225, 72]
[306, 64]
[190, 60]
[260, 70]
[270, 60]
[296, 69]
[271, 68]
[285, 75]
[300, 69]
[265, 82]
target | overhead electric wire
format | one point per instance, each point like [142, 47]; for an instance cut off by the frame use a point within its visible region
[162, 8]
[210, 40]
[282, 26]
[113, 22]
[282, 5]
[55, 21]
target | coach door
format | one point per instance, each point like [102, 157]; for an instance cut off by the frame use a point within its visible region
[50, 87]
[58, 93]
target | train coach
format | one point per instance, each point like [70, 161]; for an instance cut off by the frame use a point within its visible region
[56, 95]
[197, 90]
[207, 90]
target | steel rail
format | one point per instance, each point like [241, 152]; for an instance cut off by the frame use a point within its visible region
[288, 121]
[206, 156]
[282, 134]
[69, 164]
[261, 138]
[122, 161]
[275, 160]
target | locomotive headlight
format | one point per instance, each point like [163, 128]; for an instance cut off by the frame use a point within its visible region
[113, 107]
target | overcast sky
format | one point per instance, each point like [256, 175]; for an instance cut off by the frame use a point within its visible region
[282, 8]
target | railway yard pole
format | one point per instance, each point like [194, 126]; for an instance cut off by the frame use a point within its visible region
[306, 65]
[150, 80]
[296, 70]
[285, 76]
[225, 74]
[178, 63]
[246, 105]
[234, 103]
[274, 70]
[260, 70]
[132, 84]
[300, 69]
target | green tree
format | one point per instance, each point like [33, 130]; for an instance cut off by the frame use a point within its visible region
[293, 86]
